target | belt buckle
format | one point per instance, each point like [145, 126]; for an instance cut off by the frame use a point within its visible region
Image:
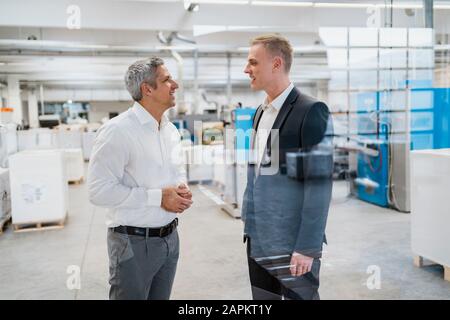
[161, 232]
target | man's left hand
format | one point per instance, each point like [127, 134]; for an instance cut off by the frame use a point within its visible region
[300, 264]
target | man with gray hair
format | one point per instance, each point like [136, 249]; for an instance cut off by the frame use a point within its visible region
[136, 173]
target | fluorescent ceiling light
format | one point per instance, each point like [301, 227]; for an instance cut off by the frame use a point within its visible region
[339, 4]
[442, 47]
[366, 5]
[200, 30]
[307, 49]
[441, 6]
[401, 6]
[282, 3]
[86, 46]
[239, 28]
[177, 48]
[222, 1]
[152, 0]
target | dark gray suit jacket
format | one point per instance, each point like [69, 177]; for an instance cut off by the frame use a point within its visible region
[282, 214]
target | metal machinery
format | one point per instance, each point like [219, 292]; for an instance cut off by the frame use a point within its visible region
[372, 175]
[237, 148]
[383, 177]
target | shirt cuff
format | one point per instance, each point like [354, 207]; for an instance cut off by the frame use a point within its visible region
[154, 197]
[182, 180]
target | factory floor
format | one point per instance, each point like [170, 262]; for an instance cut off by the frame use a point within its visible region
[212, 265]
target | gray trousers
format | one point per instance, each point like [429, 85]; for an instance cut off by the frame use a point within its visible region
[142, 268]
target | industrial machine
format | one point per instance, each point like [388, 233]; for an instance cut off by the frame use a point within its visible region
[392, 131]
[49, 120]
[372, 174]
[237, 146]
[212, 133]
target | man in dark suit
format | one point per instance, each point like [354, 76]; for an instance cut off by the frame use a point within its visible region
[289, 185]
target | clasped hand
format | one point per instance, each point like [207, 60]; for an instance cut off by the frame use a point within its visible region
[176, 199]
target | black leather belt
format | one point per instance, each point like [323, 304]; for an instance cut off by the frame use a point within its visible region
[148, 232]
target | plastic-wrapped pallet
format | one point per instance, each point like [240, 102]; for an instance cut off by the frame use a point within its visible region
[5, 206]
[88, 143]
[26, 140]
[219, 164]
[199, 163]
[93, 126]
[42, 138]
[46, 138]
[69, 139]
[74, 162]
[8, 142]
[430, 217]
[39, 190]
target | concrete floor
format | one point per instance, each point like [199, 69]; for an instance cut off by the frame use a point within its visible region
[212, 265]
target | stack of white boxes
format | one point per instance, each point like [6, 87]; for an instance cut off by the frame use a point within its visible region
[26, 140]
[41, 138]
[430, 216]
[200, 163]
[74, 165]
[219, 165]
[8, 142]
[88, 143]
[62, 137]
[69, 139]
[39, 190]
[5, 206]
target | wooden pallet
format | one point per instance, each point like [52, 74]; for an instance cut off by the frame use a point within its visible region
[39, 226]
[418, 262]
[4, 222]
[76, 182]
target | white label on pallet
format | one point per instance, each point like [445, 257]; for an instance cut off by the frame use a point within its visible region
[32, 194]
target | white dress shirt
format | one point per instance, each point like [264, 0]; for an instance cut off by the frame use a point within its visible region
[270, 113]
[133, 158]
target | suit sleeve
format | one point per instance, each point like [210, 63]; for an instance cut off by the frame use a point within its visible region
[316, 135]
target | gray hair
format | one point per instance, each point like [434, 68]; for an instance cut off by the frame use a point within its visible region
[142, 71]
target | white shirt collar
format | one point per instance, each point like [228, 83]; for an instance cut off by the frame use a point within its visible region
[278, 102]
[145, 117]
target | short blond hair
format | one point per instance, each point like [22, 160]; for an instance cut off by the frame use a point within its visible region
[276, 45]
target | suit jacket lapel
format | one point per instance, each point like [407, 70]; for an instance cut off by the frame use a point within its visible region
[283, 113]
[256, 119]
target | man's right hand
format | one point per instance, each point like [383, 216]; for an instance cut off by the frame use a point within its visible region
[184, 191]
[173, 202]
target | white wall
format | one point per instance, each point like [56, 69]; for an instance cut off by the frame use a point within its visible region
[101, 109]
